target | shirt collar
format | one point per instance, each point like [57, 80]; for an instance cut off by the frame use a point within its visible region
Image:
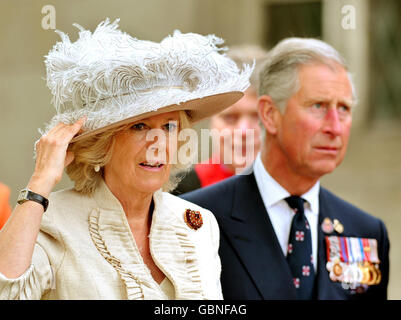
[273, 192]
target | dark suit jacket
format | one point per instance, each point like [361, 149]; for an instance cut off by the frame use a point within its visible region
[253, 264]
[188, 183]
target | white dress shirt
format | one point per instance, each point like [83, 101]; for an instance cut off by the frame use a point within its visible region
[280, 214]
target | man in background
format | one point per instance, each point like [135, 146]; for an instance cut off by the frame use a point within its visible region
[240, 118]
[283, 236]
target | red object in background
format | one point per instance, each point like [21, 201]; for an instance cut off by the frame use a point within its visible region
[209, 173]
[5, 209]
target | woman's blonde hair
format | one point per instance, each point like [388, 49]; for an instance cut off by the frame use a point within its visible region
[97, 151]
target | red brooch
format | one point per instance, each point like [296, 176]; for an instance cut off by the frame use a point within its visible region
[193, 219]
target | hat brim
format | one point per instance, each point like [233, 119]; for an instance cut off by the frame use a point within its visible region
[198, 109]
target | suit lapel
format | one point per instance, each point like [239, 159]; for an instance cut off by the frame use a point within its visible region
[252, 236]
[325, 287]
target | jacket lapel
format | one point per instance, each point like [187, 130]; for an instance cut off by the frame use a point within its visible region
[325, 287]
[251, 234]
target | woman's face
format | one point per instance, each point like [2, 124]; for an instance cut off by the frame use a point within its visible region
[141, 154]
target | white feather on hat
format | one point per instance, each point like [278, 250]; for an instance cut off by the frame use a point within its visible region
[109, 76]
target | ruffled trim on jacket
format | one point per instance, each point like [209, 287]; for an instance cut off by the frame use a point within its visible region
[115, 244]
[171, 248]
[174, 252]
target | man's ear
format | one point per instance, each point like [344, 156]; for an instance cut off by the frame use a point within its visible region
[269, 114]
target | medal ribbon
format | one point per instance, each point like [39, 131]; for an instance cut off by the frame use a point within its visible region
[361, 247]
[350, 250]
[373, 251]
[357, 250]
[366, 249]
[344, 249]
[333, 247]
[328, 248]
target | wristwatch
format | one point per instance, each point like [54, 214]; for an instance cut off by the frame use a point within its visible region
[28, 195]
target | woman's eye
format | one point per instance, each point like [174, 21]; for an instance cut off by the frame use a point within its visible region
[138, 126]
[230, 118]
[171, 126]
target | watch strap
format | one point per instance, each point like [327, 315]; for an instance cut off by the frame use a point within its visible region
[26, 195]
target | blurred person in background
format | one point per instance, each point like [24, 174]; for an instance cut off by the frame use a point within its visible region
[241, 116]
[5, 209]
[283, 236]
[116, 234]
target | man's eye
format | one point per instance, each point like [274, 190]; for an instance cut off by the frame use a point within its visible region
[344, 109]
[317, 106]
[138, 126]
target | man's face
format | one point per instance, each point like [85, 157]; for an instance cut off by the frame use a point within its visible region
[314, 130]
[239, 118]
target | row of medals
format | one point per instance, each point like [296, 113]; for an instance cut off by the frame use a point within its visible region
[365, 272]
[361, 272]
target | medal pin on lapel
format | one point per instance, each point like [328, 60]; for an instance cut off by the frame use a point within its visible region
[327, 225]
[338, 226]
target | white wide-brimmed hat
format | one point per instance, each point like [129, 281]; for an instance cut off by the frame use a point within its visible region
[113, 79]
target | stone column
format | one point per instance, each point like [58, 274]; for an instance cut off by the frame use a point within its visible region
[345, 26]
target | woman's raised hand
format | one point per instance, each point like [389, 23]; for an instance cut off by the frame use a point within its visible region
[52, 157]
[18, 236]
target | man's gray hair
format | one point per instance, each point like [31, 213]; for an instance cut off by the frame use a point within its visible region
[278, 77]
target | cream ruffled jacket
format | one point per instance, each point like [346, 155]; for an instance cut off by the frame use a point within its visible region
[85, 250]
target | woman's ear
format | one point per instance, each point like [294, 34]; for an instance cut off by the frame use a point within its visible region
[269, 114]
